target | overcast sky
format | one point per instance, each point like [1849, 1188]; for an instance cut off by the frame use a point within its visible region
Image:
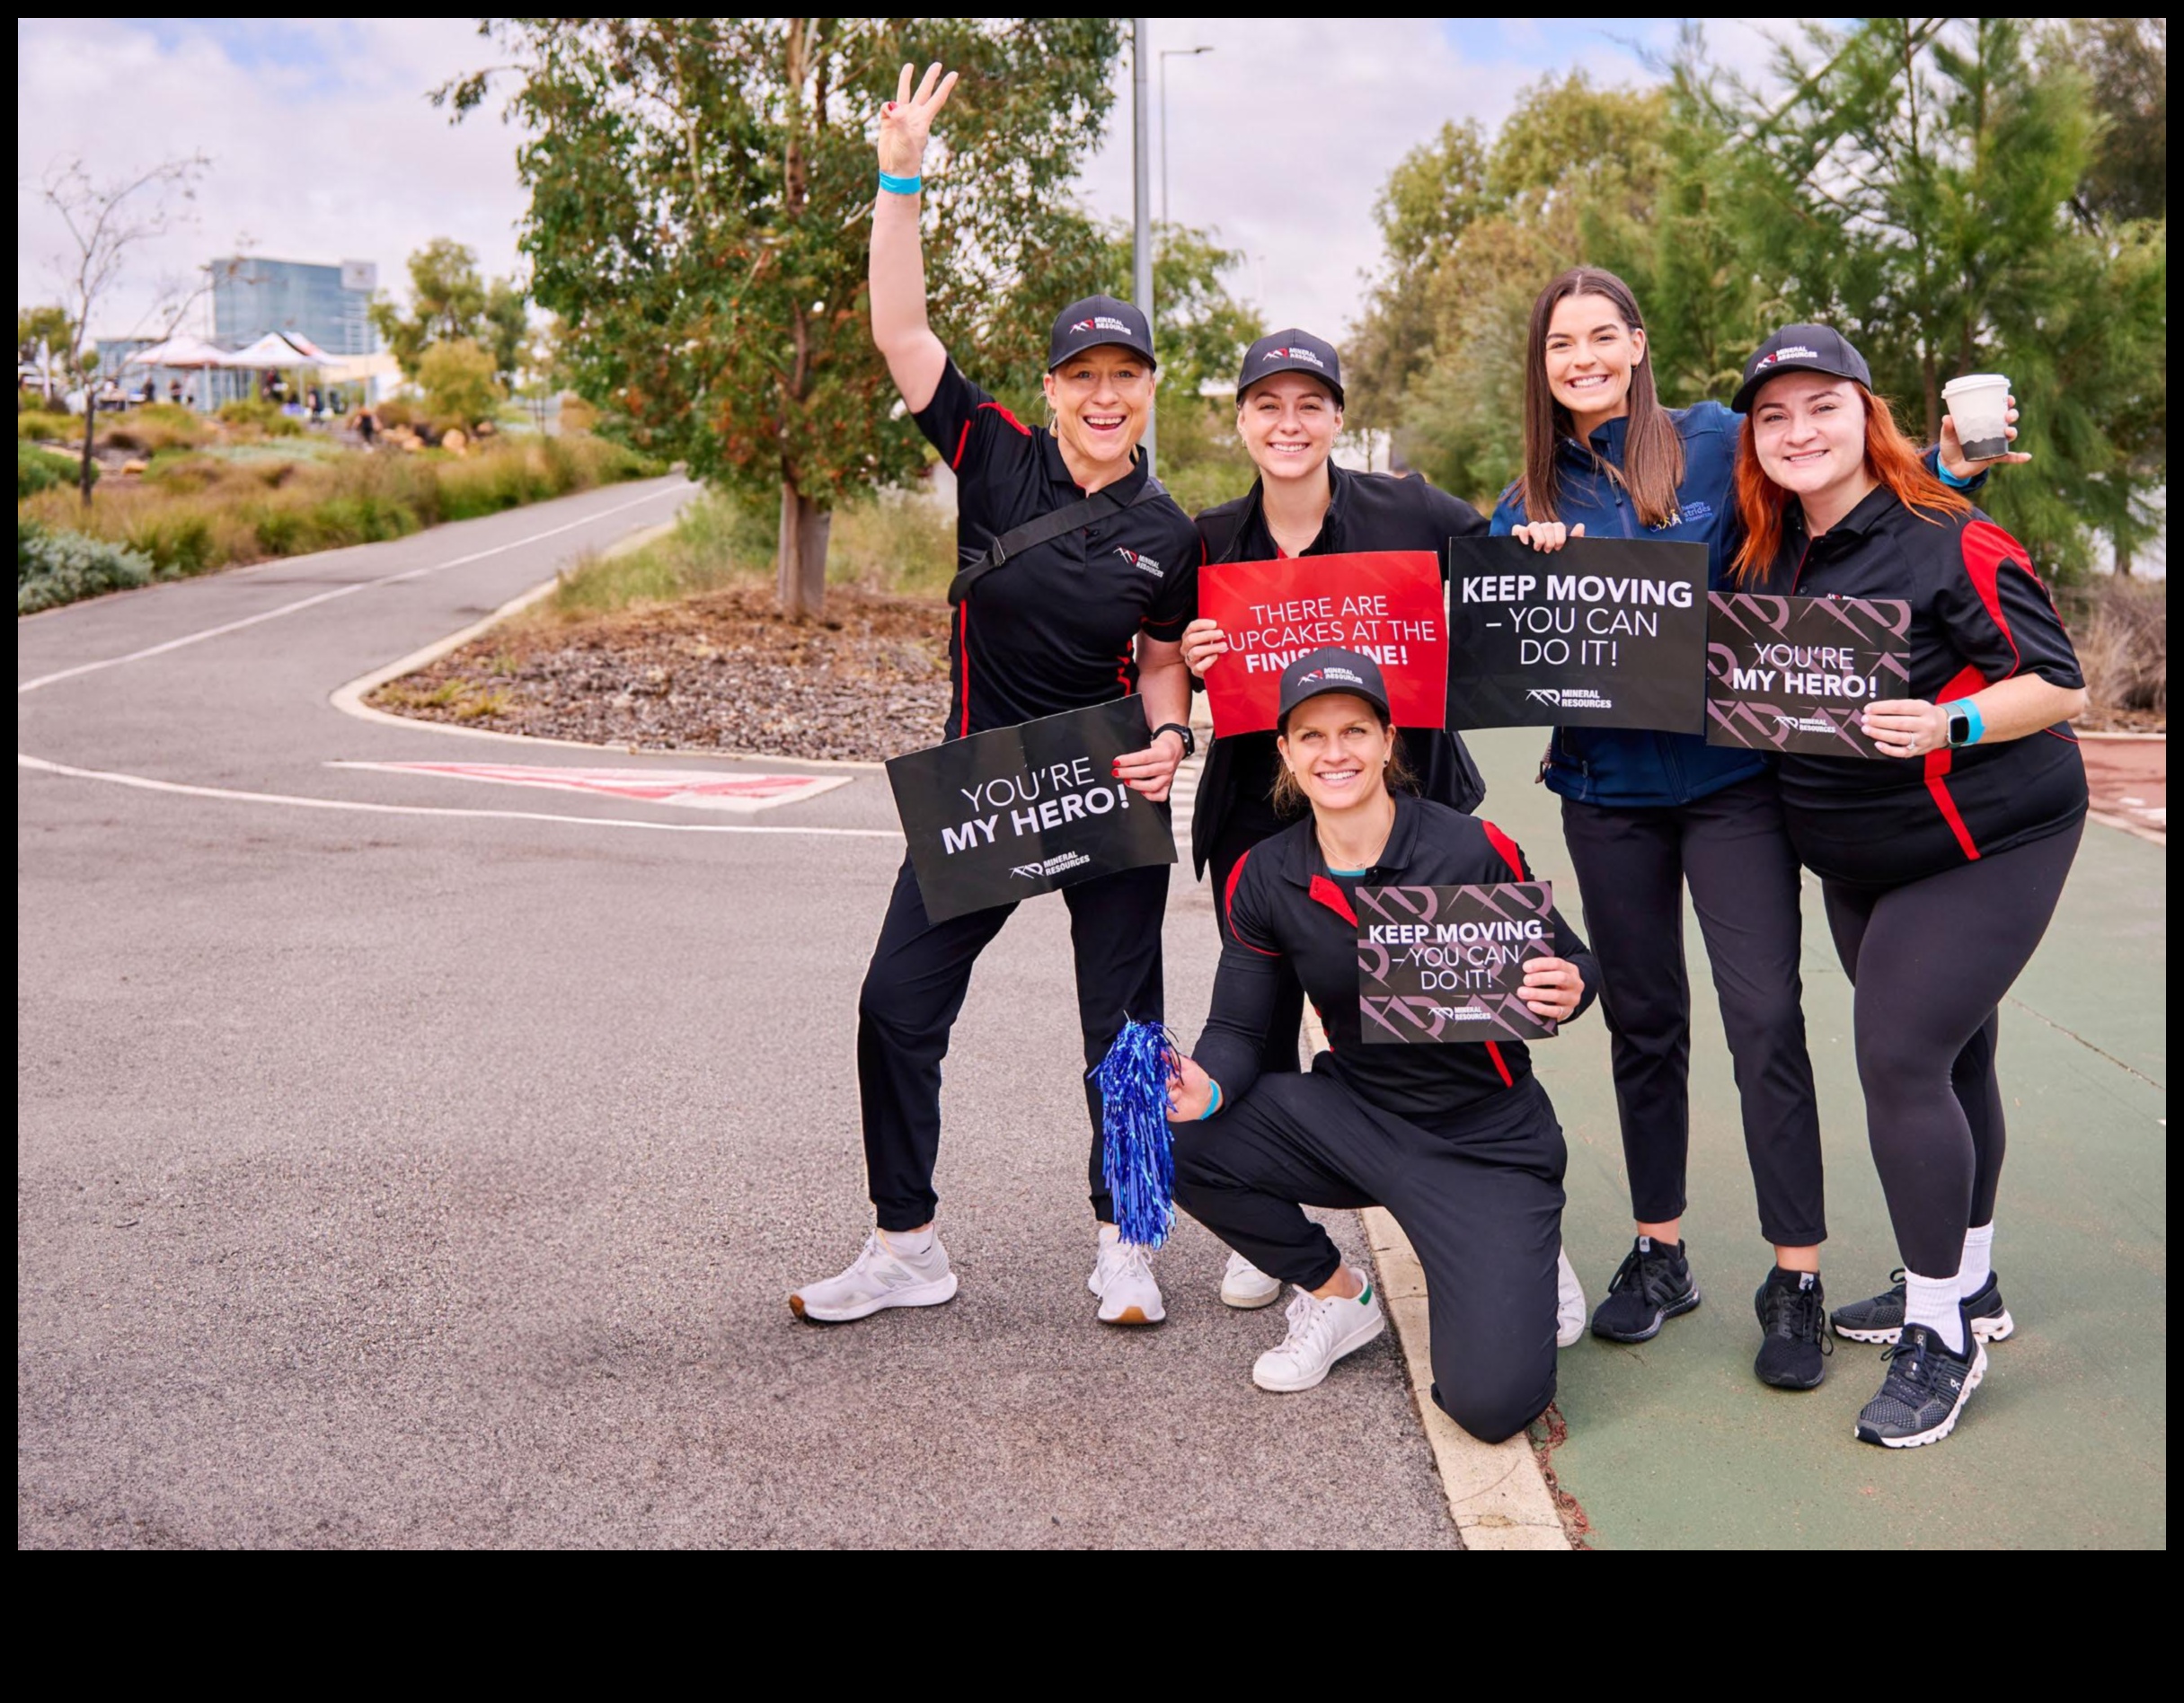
[324, 148]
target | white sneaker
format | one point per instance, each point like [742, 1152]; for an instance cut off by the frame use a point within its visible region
[1569, 1302]
[1244, 1284]
[1320, 1332]
[1122, 1277]
[880, 1276]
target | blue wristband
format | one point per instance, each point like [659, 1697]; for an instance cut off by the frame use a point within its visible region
[1213, 1105]
[901, 186]
[1940, 466]
[1972, 715]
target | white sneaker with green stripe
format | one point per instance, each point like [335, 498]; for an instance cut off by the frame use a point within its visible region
[1320, 1332]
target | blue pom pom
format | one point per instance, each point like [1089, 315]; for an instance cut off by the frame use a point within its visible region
[1139, 1164]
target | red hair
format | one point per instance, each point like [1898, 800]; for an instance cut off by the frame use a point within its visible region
[1891, 458]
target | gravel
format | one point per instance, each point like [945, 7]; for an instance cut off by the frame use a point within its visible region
[725, 672]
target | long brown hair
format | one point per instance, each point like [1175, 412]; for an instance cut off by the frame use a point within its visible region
[1890, 457]
[1289, 798]
[1652, 451]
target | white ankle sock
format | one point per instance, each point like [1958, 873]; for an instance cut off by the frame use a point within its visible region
[1932, 1301]
[909, 1244]
[1978, 1260]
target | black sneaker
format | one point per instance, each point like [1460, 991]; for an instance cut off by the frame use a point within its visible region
[1651, 1287]
[1924, 1391]
[1882, 1319]
[1794, 1341]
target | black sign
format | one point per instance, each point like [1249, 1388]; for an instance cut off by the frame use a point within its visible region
[1603, 633]
[1791, 674]
[1446, 963]
[1022, 810]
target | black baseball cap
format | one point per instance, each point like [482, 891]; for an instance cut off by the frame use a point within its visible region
[1292, 351]
[1097, 320]
[1328, 669]
[1801, 348]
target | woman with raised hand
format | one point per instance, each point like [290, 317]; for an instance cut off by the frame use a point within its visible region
[1456, 1139]
[1942, 860]
[1289, 403]
[1080, 573]
[1647, 815]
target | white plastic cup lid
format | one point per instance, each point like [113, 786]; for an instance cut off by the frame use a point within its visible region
[1974, 382]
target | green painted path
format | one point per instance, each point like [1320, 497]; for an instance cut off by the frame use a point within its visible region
[2065, 1444]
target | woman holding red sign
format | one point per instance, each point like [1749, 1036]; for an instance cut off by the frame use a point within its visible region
[1456, 1139]
[1080, 571]
[1646, 815]
[1942, 859]
[1288, 412]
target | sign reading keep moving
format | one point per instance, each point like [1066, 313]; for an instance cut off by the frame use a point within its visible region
[1019, 811]
[1605, 632]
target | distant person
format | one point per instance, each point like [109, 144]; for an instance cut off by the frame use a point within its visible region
[315, 405]
[1941, 861]
[367, 428]
[174, 391]
[151, 390]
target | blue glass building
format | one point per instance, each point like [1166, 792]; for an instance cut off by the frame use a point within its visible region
[329, 305]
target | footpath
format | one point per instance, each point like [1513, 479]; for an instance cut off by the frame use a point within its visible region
[1675, 1444]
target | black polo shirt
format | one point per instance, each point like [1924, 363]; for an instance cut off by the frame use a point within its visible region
[1288, 914]
[1978, 614]
[1365, 511]
[1056, 627]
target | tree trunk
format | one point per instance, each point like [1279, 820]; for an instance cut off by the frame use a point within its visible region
[801, 560]
[90, 425]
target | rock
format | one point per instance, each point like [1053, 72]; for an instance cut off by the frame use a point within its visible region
[135, 467]
[454, 441]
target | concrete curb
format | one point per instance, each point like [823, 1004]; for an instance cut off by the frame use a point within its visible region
[350, 699]
[1497, 1495]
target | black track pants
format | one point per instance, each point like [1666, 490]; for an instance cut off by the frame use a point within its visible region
[1248, 823]
[1481, 1201]
[914, 990]
[1930, 961]
[1632, 866]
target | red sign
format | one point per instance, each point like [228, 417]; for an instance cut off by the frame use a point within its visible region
[1386, 604]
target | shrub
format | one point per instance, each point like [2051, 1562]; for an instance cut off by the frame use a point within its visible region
[156, 426]
[893, 541]
[37, 470]
[252, 412]
[459, 384]
[178, 542]
[56, 568]
[2120, 630]
[38, 423]
[397, 411]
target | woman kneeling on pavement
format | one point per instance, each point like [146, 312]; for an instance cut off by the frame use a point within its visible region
[1942, 860]
[1457, 1140]
[1068, 589]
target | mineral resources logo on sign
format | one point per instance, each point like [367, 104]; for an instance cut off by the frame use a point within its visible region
[699, 789]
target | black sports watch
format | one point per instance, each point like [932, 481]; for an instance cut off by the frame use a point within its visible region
[1190, 744]
[1959, 729]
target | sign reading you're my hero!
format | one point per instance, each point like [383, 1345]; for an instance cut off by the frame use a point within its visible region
[1002, 815]
[1605, 632]
[1791, 674]
[1438, 964]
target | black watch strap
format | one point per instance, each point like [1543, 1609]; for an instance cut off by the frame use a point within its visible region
[1191, 743]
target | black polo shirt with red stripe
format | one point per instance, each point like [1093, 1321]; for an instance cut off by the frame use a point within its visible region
[1979, 614]
[1055, 628]
[1289, 914]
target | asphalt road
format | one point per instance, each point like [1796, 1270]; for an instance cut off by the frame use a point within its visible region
[432, 1173]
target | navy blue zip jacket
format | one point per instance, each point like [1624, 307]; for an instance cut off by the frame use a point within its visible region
[1612, 765]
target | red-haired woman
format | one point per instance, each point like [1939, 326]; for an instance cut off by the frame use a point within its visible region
[1646, 815]
[1942, 862]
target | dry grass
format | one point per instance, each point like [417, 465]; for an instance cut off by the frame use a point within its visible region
[2120, 627]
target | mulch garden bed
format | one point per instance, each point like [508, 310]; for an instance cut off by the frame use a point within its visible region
[725, 672]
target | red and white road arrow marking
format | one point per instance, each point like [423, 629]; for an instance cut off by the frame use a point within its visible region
[740, 790]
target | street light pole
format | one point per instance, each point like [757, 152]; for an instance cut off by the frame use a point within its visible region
[1141, 234]
[1167, 54]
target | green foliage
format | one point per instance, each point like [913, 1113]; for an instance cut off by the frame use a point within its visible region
[49, 325]
[260, 416]
[38, 469]
[38, 423]
[714, 294]
[459, 385]
[54, 568]
[451, 302]
[2125, 62]
[157, 426]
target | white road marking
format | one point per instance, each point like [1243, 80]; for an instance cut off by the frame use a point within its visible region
[742, 790]
[339, 591]
[144, 783]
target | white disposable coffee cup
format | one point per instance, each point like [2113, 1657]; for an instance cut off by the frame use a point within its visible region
[1979, 402]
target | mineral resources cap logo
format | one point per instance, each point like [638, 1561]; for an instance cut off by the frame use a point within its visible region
[1544, 695]
[1343, 674]
[1136, 560]
[1102, 322]
[1298, 353]
[1791, 352]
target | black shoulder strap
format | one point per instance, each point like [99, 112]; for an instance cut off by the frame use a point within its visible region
[1052, 525]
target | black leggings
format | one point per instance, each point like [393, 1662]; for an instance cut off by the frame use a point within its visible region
[1632, 865]
[1480, 1199]
[1930, 961]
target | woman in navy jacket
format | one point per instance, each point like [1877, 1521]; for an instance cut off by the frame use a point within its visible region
[1647, 814]
[1941, 861]
[1456, 1139]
